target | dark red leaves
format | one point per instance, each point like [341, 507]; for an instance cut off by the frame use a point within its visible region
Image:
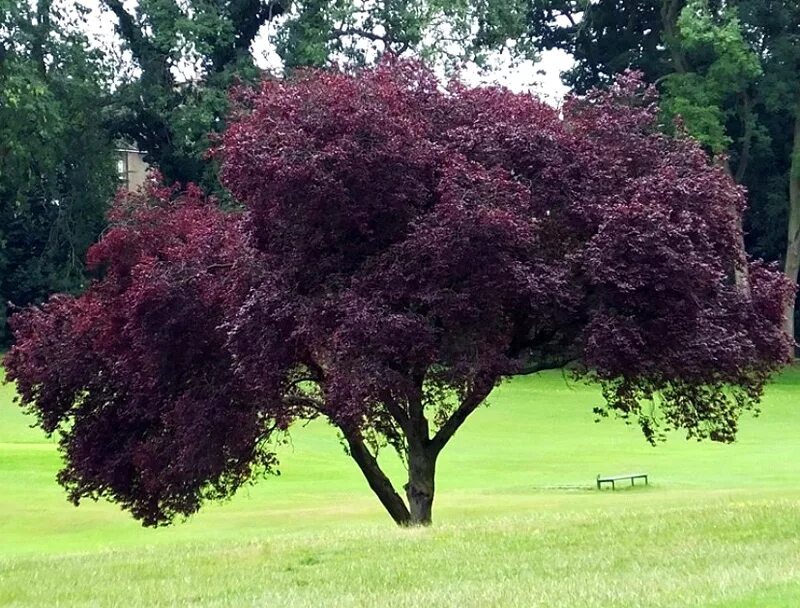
[135, 372]
[401, 244]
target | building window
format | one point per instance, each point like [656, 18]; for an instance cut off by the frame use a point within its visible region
[122, 168]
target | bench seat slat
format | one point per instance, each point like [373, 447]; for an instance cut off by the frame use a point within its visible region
[620, 477]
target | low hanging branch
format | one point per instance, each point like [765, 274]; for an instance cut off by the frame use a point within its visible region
[405, 248]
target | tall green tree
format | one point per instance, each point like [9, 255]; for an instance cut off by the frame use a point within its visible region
[774, 30]
[695, 50]
[57, 168]
[186, 57]
[189, 53]
[605, 37]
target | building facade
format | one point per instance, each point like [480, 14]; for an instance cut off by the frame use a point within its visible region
[131, 167]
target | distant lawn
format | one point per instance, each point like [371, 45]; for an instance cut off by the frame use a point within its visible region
[517, 521]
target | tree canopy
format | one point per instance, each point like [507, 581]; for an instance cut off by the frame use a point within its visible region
[403, 249]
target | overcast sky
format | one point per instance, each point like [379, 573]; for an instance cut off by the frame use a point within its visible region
[541, 78]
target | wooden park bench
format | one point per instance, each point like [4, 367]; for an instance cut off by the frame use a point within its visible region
[612, 479]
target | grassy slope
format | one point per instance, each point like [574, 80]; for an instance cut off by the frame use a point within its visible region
[517, 522]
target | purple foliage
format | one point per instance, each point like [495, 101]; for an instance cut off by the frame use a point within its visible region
[403, 248]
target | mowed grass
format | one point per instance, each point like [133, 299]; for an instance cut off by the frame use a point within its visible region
[517, 521]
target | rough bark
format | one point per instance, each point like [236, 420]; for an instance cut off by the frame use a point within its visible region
[739, 271]
[153, 62]
[420, 488]
[247, 17]
[40, 33]
[793, 243]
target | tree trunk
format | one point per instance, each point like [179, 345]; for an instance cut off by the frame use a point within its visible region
[740, 271]
[670, 11]
[421, 456]
[420, 487]
[793, 244]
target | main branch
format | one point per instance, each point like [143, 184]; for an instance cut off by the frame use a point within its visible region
[380, 484]
[469, 404]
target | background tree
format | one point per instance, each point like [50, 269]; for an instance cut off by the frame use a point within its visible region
[606, 37]
[774, 30]
[404, 249]
[56, 161]
[188, 54]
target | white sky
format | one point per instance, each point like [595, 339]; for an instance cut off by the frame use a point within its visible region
[542, 78]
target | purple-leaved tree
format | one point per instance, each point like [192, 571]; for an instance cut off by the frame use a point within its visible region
[402, 249]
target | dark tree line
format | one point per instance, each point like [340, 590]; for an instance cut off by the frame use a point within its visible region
[56, 161]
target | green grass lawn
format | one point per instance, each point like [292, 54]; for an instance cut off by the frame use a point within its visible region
[517, 521]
